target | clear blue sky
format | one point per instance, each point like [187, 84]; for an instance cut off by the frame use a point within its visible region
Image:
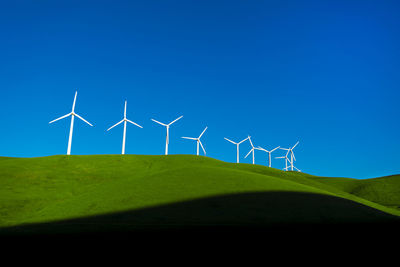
[325, 73]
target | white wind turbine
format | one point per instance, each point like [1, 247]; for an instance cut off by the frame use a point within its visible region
[287, 167]
[251, 150]
[198, 141]
[286, 161]
[72, 114]
[237, 147]
[124, 120]
[167, 125]
[292, 157]
[269, 153]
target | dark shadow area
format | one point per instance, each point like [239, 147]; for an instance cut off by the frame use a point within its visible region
[268, 217]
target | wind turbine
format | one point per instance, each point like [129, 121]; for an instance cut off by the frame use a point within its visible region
[251, 150]
[237, 147]
[292, 157]
[198, 141]
[269, 153]
[124, 120]
[286, 161]
[167, 125]
[288, 167]
[71, 129]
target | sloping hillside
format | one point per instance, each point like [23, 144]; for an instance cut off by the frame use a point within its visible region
[134, 191]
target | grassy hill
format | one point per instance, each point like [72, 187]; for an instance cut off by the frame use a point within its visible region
[102, 192]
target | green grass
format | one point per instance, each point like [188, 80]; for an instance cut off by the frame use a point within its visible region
[56, 188]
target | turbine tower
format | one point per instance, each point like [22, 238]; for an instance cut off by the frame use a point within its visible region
[292, 157]
[167, 125]
[124, 120]
[269, 153]
[198, 141]
[237, 147]
[251, 150]
[71, 129]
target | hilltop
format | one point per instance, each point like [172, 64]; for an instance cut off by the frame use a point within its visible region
[70, 194]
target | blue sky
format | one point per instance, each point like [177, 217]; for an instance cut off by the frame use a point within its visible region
[325, 73]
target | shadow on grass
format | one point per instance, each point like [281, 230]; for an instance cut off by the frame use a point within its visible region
[273, 214]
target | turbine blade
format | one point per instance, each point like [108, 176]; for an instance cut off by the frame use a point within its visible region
[275, 149]
[249, 153]
[251, 143]
[295, 144]
[83, 119]
[159, 122]
[190, 138]
[73, 105]
[284, 148]
[293, 156]
[230, 141]
[114, 125]
[203, 132]
[280, 157]
[202, 147]
[125, 109]
[243, 140]
[134, 123]
[62, 117]
[175, 120]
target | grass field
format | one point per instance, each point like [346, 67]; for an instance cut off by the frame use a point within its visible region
[102, 192]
